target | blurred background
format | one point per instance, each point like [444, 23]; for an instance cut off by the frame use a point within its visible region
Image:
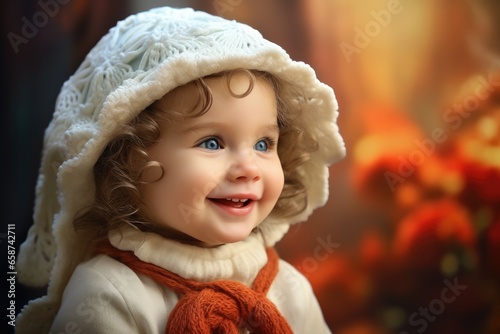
[409, 241]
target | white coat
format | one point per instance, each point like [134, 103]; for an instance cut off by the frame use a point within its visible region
[105, 296]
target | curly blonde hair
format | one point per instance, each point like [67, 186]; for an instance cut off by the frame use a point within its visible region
[118, 171]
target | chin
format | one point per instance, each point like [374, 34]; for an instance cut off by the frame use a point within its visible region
[230, 238]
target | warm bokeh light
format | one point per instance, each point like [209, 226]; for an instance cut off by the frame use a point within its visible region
[414, 208]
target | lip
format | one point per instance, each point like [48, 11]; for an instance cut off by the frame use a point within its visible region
[237, 196]
[233, 211]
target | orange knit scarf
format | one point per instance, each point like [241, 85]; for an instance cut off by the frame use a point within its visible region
[221, 306]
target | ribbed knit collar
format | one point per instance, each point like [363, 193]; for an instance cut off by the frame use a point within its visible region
[240, 261]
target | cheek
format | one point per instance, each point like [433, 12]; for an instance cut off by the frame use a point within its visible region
[189, 177]
[280, 181]
[189, 185]
[165, 200]
[276, 180]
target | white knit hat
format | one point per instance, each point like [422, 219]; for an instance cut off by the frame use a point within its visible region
[140, 60]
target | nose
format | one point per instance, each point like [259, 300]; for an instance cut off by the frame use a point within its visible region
[244, 168]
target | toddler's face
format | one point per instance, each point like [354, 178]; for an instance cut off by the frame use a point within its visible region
[223, 175]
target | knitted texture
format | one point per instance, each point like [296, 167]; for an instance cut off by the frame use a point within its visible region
[221, 306]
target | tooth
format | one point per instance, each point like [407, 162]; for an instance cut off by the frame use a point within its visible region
[237, 199]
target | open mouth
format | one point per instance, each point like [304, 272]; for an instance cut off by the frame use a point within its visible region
[232, 202]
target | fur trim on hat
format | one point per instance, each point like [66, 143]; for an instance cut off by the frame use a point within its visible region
[140, 60]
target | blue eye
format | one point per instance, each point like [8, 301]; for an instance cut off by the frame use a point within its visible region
[261, 145]
[210, 144]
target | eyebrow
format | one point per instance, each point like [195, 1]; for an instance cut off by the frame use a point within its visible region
[210, 125]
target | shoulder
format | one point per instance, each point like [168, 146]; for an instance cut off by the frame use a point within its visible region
[289, 278]
[104, 295]
[292, 293]
[291, 283]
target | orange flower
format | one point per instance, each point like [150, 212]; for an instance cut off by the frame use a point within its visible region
[378, 157]
[477, 148]
[426, 235]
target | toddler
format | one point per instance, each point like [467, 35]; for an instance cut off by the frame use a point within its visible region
[179, 154]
